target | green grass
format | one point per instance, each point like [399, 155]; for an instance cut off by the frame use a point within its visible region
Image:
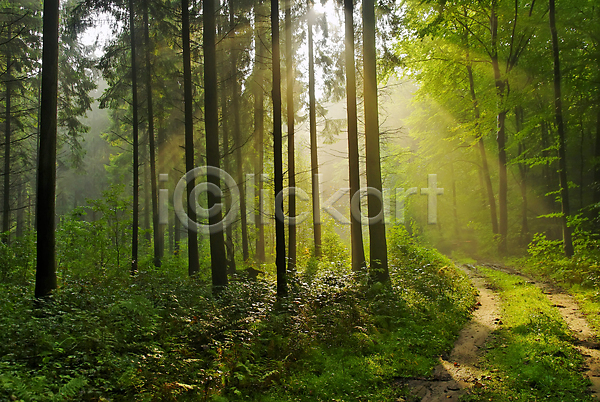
[531, 356]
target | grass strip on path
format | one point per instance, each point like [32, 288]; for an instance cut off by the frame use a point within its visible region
[531, 356]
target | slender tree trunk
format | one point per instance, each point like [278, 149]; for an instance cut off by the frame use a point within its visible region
[356, 239]
[523, 174]
[278, 153]
[289, 58]
[225, 84]
[229, 248]
[259, 128]
[596, 198]
[147, 201]
[237, 134]
[377, 238]
[7, 139]
[500, 136]
[560, 126]
[158, 236]
[136, 164]
[481, 145]
[176, 233]
[314, 162]
[21, 211]
[193, 262]
[45, 276]
[211, 112]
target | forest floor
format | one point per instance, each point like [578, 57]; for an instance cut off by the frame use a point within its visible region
[467, 373]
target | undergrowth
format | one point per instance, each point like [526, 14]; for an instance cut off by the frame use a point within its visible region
[164, 337]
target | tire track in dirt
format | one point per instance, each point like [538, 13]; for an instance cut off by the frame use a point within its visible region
[587, 341]
[459, 371]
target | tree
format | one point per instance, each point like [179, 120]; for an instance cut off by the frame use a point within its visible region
[259, 129]
[377, 238]
[356, 238]
[289, 56]
[193, 263]
[560, 128]
[237, 135]
[45, 279]
[136, 164]
[7, 140]
[278, 153]
[211, 112]
[158, 236]
[314, 161]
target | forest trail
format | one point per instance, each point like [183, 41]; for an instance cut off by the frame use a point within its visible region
[459, 371]
[587, 342]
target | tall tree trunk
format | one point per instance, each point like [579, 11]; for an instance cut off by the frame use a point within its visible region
[211, 112]
[147, 200]
[523, 174]
[7, 139]
[500, 135]
[193, 262]
[136, 164]
[45, 276]
[229, 248]
[485, 170]
[226, 76]
[259, 129]
[596, 198]
[356, 239]
[237, 134]
[158, 236]
[289, 59]
[560, 127]
[21, 211]
[377, 238]
[314, 161]
[278, 153]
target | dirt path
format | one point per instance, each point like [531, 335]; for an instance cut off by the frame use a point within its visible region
[459, 371]
[587, 342]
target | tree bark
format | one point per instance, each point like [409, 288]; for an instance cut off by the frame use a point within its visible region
[500, 84]
[377, 237]
[289, 58]
[45, 276]
[259, 128]
[217, 247]
[314, 162]
[193, 262]
[485, 170]
[519, 117]
[356, 238]
[134, 105]
[560, 127]
[237, 135]
[226, 76]
[158, 236]
[7, 139]
[278, 153]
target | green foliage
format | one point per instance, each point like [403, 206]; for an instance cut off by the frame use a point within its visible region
[546, 257]
[164, 336]
[101, 245]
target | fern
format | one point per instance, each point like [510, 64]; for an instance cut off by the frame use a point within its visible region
[70, 389]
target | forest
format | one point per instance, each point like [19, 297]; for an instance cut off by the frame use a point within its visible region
[330, 200]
